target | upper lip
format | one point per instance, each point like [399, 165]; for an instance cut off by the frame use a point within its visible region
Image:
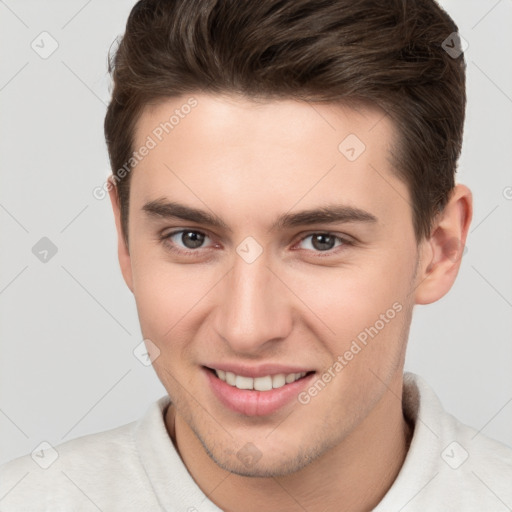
[261, 370]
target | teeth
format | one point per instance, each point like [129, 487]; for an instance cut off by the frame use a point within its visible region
[290, 378]
[278, 381]
[263, 383]
[259, 383]
[244, 382]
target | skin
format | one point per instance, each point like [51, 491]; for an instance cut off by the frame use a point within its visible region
[248, 163]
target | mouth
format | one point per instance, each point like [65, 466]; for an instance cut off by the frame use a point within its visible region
[265, 383]
[256, 396]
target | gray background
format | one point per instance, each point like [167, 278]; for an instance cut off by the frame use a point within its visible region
[69, 326]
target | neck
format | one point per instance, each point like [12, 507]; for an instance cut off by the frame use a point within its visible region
[354, 475]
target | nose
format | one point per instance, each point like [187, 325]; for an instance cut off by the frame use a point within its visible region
[253, 310]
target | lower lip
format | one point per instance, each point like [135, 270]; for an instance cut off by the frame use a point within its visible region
[255, 403]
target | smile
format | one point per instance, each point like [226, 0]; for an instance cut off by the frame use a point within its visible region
[265, 383]
[263, 394]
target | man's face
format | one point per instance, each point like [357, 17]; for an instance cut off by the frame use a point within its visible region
[258, 297]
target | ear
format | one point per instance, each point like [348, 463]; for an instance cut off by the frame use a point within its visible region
[122, 249]
[441, 253]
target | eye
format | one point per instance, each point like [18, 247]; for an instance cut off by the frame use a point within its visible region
[185, 241]
[323, 242]
[188, 242]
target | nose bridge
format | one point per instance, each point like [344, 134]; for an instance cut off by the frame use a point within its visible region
[252, 310]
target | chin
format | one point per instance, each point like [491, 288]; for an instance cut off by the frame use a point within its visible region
[269, 469]
[251, 462]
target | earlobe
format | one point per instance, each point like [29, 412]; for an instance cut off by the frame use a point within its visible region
[122, 249]
[444, 249]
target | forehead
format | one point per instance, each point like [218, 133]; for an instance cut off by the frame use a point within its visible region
[270, 153]
[206, 116]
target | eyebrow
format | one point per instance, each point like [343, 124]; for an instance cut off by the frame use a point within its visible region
[328, 214]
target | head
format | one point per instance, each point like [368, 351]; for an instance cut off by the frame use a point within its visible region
[319, 140]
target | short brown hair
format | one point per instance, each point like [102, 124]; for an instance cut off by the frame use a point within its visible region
[385, 53]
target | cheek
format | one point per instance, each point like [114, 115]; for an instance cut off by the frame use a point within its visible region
[363, 302]
[163, 293]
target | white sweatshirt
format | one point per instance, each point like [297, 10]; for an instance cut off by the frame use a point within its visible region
[135, 467]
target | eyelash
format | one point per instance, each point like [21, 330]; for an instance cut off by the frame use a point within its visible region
[165, 239]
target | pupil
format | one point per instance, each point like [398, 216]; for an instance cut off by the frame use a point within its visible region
[323, 242]
[194, 239]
